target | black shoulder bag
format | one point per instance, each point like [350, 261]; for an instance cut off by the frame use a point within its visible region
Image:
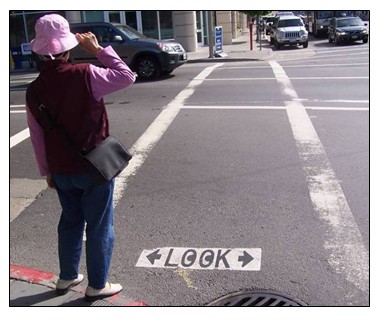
[105, 161]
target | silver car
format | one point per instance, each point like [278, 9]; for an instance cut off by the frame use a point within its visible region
[289, 30]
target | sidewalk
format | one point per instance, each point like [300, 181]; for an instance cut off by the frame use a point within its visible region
[30, 287]
[239, 50]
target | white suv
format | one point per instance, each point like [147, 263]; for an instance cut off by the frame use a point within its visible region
[289, 30]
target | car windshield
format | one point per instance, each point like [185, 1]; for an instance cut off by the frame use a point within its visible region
[353, 22]
[131, 33]
[290, 23]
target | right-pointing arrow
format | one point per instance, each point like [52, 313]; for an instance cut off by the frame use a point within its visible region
[154, 256]
[245, 258]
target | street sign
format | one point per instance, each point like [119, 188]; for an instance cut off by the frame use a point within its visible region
[25, 49]
[244, 259]
[218, 39]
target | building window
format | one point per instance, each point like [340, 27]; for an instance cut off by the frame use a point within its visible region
[22, 23]
[16, 30]
[150, 24]
[165, 20]
[94, 16]
[131, 19]
[114, 16]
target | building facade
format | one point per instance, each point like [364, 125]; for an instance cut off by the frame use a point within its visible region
[189, 28]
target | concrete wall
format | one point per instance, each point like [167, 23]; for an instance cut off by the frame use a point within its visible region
[224, 19]
[184, 23]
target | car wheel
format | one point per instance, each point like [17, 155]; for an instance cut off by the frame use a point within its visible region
[305, 44]
[147, 68]
[365, 40]
[330, 39]
[277, 45]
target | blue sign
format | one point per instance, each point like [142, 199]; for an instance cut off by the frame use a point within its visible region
[218, 39]
[25, 48]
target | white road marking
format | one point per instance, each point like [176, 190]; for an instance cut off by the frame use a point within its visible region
[155, 131]
[332, 101]
[347, 253]
[20, 81]
[271, 108]
[17, 111]
[292, 78]
[334, 65]
[337, 109]
[318, 58]
[236, 107]
[243, 259]
[19, 137]
[303, 66]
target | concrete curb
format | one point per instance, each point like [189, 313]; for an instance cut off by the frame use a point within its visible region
[29, 278]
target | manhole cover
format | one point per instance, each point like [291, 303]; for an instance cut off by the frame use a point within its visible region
[257, 299]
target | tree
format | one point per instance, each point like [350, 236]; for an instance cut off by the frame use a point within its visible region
[256, 13]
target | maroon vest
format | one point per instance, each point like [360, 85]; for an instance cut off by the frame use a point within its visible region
[65, 90]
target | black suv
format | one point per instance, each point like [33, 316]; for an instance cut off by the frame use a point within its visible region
[347, 29]
[149, 58]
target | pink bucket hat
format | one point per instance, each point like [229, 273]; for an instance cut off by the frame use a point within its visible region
[53, 36]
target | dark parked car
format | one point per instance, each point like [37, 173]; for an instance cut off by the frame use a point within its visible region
[347, 29]
[148, 57]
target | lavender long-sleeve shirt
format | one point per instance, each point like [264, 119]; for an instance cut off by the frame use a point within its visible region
[117, 75]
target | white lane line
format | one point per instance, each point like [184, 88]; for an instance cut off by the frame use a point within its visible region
[334, 65]
[17, 106]
[17, 111]
[347, 253]
[333, 101]
[236, 107]
[337, 109]
[292, 78]
[303, 66]
[19, 137]
[270, 108]
[155, 131]
[20, 81]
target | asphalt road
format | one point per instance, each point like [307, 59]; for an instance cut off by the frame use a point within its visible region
[248, 175]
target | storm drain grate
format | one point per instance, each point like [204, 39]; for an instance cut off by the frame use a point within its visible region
[257, 299]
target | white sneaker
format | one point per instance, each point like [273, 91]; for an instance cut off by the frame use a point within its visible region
[110, 289]
[62, 286]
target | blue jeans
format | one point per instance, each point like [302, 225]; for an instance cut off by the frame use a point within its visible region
[83, 201]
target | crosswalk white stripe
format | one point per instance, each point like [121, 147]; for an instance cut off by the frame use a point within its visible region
[347, 253]
[19, 137]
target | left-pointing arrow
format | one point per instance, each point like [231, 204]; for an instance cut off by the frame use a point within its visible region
[245, 258]
[154, 256]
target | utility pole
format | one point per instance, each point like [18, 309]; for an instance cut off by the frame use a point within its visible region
[210, 34]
